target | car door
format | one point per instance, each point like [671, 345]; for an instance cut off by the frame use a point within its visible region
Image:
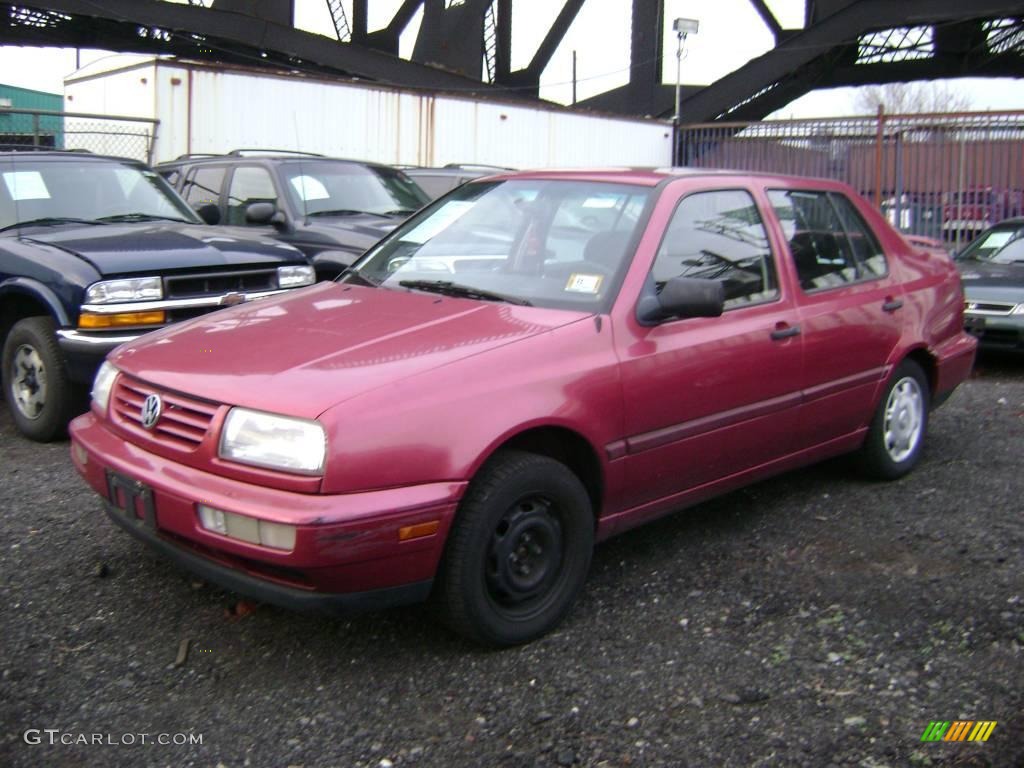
[706, 398]
[850, 306]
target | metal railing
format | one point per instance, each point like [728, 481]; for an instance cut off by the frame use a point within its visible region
[945, 176]
[103, 134]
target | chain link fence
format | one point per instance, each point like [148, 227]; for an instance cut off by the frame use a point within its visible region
[102, 134]
[946, 176]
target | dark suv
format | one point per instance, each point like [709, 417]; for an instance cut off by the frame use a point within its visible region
[440, 181]
[330, 209]
[95, 251]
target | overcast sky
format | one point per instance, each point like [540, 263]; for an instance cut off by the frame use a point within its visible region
[730, 34]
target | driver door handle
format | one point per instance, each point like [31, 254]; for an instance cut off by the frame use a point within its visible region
[891, 304]
[785, 331]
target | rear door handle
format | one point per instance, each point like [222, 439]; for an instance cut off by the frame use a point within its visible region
[891, 305]
[783, 331]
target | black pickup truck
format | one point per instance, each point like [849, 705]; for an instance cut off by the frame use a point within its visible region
[95, 251]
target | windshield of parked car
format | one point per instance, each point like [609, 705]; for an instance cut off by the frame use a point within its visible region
[550, 243]
[327, 188]
[70, 190]
[1003, 243]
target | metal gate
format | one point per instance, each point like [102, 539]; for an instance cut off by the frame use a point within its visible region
[945, 176]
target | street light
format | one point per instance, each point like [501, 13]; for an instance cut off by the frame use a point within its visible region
[682, 27]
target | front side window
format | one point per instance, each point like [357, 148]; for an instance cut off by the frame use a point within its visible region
[249, 184]
[551, 243]
[719, 236]
[821, 251]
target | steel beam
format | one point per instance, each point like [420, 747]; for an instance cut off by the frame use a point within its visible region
[231, 36]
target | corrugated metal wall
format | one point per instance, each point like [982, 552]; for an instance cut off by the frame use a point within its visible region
[206, 110]
[25, 128]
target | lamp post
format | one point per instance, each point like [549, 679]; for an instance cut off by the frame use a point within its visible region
[682, 27]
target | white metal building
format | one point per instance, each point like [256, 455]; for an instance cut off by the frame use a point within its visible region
[215, 109]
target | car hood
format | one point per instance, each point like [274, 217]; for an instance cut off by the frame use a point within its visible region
[360, 230]
[309, 350]
[978, 274]
[122, 249]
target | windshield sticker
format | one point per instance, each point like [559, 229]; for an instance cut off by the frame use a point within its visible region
[580, 283]
[601, 201]
[26, 185]
[309, 188]
[438, 222]
[997, 239]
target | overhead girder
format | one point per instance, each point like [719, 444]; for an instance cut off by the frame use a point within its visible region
[197, 32]
[816, 56]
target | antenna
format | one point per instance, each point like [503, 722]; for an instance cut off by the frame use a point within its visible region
[302, 171]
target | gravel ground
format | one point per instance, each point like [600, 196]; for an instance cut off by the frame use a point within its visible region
[812, 620]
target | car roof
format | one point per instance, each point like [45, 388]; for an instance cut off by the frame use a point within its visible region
[57, 154]
[654, 176]
[276, 156]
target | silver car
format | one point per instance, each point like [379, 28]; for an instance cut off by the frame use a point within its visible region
[992, 269]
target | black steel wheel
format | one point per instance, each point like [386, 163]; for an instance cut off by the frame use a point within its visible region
[518, 552]
[35, 382]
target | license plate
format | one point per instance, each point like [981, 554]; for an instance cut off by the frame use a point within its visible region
[132, 498]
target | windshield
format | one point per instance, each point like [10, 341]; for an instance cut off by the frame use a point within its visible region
[85, 191]
[1001, 244]
[549, 243]
[327, 188]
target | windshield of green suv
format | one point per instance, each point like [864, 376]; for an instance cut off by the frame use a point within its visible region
[71, 190]
[550, 243]
[1002, 243]
[327, 188]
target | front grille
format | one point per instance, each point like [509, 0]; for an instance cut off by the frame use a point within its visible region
[193, 286]
[183, 423]
[989, 307]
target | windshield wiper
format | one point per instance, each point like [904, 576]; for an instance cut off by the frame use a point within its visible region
[400, 212]
[343, 212]
[448, 288]
[49, 220]
[128, 217]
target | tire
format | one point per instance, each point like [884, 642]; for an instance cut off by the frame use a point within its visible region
[35, 381]
[896, 436]
[518, 552]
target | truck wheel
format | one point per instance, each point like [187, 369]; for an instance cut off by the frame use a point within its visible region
[518, 552]
[896, 436]
[35, 382]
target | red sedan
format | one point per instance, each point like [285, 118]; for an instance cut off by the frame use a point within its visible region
[531, 364]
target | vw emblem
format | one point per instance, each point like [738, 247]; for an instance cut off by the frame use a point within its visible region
[151, 410]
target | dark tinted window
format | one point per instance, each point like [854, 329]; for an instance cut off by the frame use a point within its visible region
[203, 186]
[822, 253]
[719, 236]
[249, 184]
[866, 250]
[435, 186]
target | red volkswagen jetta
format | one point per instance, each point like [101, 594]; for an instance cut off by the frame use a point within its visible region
[534, 363]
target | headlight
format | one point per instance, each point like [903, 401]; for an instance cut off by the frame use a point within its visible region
[129, 289]
[278, 442]
[293, 277]
[102, 384]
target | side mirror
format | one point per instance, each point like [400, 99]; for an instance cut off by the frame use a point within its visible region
[264, 213]
[209, 212]
[682, 297]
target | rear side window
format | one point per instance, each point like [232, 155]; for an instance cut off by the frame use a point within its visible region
[203, 186]
[719, 236]
[830, 243]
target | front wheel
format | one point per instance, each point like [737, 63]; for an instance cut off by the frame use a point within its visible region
[518, 552]
[35, 381]
[896, 436]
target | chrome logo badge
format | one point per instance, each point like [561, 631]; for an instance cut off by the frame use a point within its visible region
[151, 410]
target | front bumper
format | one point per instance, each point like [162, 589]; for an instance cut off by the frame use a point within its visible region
[996, 331]
[347, 553]
[83, 351]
